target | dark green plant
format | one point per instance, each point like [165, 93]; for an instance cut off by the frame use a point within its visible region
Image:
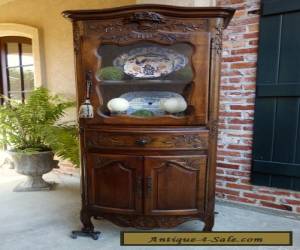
[110, 73]
[31, 126]
[143, 112]
[185, 73]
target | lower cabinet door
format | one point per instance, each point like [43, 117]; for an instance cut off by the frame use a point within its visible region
[115, 182]
[174, 185]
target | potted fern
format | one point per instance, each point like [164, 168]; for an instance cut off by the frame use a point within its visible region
[31, 132]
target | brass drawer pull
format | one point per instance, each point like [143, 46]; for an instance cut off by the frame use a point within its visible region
[142, 141]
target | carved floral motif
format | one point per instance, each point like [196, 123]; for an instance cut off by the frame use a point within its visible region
[214, 128]
[192, 140]
[146, 25]
[217, 39]
[166, 141]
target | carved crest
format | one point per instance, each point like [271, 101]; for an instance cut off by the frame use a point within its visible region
[146, 19]
[146, 25]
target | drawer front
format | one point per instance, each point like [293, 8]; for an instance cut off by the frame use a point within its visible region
[152, 140]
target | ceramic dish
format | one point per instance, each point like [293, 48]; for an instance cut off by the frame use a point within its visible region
[150, 62]
[148, 100]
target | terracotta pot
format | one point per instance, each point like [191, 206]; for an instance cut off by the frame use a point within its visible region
[33, 165]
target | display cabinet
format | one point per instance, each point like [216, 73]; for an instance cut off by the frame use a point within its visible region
[147, 90]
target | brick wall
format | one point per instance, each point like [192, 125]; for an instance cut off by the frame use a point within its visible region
[236, 114]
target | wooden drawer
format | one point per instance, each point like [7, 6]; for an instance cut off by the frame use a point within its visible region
[179, 140]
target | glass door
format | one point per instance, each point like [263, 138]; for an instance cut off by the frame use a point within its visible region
[145, 80]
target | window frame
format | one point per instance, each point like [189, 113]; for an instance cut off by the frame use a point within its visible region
[4, 75]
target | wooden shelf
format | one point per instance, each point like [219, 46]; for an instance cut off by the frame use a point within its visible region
[144, 82]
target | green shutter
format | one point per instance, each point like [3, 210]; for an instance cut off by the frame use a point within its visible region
[276, 148]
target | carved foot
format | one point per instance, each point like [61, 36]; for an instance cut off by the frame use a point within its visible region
[209, 223]
[85, 233]
[88, 227]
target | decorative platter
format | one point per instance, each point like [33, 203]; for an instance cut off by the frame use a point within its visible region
[150, 62]
[147, 100]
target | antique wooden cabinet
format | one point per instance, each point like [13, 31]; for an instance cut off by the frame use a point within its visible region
[147, 89]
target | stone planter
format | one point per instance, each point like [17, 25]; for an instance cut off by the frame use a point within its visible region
[33, 165]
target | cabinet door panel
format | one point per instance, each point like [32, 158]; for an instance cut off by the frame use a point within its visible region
[115, 184]
[174, 184]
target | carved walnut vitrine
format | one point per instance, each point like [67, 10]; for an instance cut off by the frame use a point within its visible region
[147, 89]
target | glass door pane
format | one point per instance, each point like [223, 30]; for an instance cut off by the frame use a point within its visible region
[145, 80]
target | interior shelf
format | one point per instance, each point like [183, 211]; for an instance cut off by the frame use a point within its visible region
[143, 82]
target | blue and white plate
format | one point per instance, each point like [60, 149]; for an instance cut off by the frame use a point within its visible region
[150, 62]
[147, 100]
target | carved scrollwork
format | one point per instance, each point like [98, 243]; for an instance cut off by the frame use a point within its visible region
[144, 222]
[193, 140]
[217, 39]
[102, 162]
[105, 139]
[146, 26]
[192, 164]
[214, 127]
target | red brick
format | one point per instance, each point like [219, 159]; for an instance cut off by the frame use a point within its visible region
[241, 121]
[229, 153]
[249, 87]
[240, 135]
[229, 126]
[239, 147]
[227, 178]
[243, 65]
[227, 191]
[253, 42]
[242, 107]
[296, 195]
[245, 181]
[273, 191]
[298, 209]
[227, 165]
[235, 1]
[239, 186]
[237, 173]
[244, 51]
[240, 199]
[230, 114]
[289, 201]
[241, 161]
[231, 73]
[247, 128]
[220, 171]
[235, 80]
[251, 35]
[276, 206]
[248, 20]
[260, 197]
[231, 87]
[233, 59]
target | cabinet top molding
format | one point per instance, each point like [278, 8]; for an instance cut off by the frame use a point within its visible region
[151, 11]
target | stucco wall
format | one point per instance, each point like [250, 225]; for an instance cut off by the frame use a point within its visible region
[57, 58]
